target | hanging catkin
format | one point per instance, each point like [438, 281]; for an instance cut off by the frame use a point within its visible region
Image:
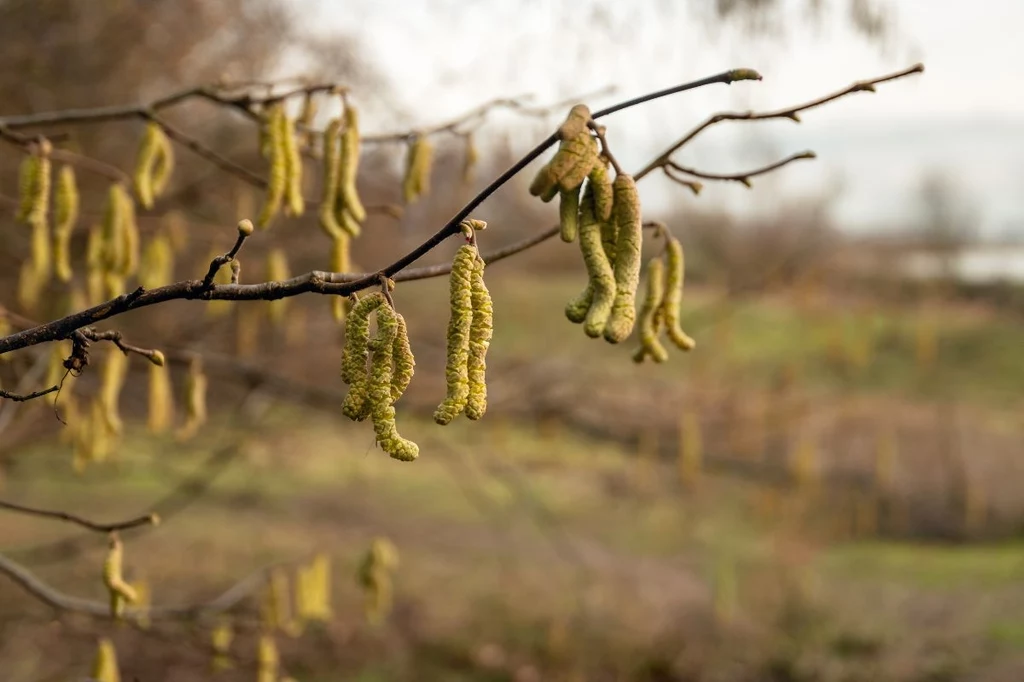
[66, 203]
[459, 329]
[674, 294]
[161, 395]
[480, 332]
[626, 214]
[272, 141]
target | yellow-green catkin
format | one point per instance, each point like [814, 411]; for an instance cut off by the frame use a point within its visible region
[374, 576]
[318, 607]
[340, 262]
[480, 332]
[156, 269]
[153, 165]
[277, 271]
[276, 154]
[576, 157]
[674, 294]
[161, 395]
[650, 345]
[66, 206]
[268, 659]
[459, 329]
[104, 667]
[295, 205]
[601, 185]
[331, 169]
[594, 305]
[404, 362]
[28, 178]
[568, 214]
[115, 369]
[355, 354]
[220, 640]
[470, 159]
[419, 162]
[349, 208]
[119, 591]
[626, 214]
[380, 386]
[195, 400]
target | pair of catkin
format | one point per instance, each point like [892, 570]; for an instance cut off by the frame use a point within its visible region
[470, 328]
[154, 164]
[341, 210]
[280, 147]
[662, 301]
[611, 238]
[373, 393]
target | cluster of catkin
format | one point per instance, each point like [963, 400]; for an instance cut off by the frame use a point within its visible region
[50, 249]
[470, 327]
[662, 301]
[373, 391]
[607, 221]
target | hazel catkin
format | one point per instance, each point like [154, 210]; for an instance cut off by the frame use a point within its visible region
[628, 243]
[480, 332]
[355, 354]
[120, 591]
[674, 294]
[649, 343]
[380, 386]
[329, 192]
[276, 154]
[66, 205]
[419, 161]
[459, 329]
[348, 170]
[601, 286]
[404, 362]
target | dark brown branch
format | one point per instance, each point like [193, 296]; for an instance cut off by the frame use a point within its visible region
[149, 519]
[791, 113]
[194, 145]
[28, 396]
[743, 178]
[316, 281]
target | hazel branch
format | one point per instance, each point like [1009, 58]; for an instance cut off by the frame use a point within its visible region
[792, 113]
[742, 178]
[148, 519]
[316, 281]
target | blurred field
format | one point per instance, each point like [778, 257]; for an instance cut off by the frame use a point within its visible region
[552, 541]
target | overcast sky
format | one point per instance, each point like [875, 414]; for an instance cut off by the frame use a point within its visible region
[965, 115]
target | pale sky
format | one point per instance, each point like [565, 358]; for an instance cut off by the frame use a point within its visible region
[964, 115]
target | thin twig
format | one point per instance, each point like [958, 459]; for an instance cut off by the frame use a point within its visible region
[742, 178]
[148, 519]
[791, 113]
[27, 396]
